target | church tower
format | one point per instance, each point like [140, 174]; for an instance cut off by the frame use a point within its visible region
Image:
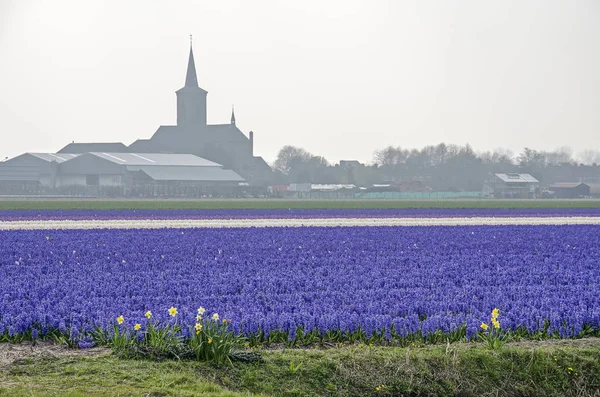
[191, 99]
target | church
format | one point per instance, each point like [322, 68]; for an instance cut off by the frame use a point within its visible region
[224, 144]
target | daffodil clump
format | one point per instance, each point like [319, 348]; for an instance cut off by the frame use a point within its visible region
[208, 340]
[211, 340]
[492, 333]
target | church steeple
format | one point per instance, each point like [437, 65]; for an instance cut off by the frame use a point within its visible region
[232, 116]
[191, 80]
[191, 99]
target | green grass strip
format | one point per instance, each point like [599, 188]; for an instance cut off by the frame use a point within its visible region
[161, 204]
[546, 368]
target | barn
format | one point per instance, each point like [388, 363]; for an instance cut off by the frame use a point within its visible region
[102, 173]
[570, 189]
[31, 173]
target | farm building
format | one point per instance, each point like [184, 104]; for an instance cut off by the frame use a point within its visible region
[30, 172]
[594, 189]
[107, 147]
[514, 186]
[570, 189]
[100, 173]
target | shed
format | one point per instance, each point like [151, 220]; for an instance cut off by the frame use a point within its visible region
[570, 189]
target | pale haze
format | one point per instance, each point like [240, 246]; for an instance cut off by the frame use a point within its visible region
[340, 79]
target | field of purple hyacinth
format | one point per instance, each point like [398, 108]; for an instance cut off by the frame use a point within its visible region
[33, 215]
[390, 281]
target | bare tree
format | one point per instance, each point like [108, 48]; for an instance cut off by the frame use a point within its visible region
[390, 156]
[532, 159]
[562, 155]
[589, 157]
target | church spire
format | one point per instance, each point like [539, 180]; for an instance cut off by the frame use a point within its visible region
[191, 80]
[191, 99]
[232, 116]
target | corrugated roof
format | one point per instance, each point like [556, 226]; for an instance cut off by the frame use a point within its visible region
[156, 159]
[59, 157]
[94, 147]
[190, 173]
[517, 178]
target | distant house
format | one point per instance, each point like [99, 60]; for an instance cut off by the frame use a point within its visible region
[570, 189]
[350, 163]
[514, 186]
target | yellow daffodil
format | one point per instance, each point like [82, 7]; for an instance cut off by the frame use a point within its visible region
[495, 313]
[201, 310]
[120, 319]
[209, 341]
[497, 324]
[137, 327]
[484, 326]
[173, 311]
[215, 317]
[148, 314]
[224, 321]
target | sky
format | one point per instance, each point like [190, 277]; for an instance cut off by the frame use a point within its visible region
[339, 78]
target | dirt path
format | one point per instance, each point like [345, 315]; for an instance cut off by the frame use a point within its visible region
[9, 352]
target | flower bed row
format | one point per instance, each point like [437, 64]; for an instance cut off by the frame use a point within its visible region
[364, 282]
[7, 215]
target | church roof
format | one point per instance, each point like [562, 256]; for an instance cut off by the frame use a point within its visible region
[140, 145]
[94, 147]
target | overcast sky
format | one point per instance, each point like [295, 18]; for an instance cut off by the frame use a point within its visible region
[340, 78]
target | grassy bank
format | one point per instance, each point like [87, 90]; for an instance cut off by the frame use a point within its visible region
[548, 368]
[160, 204]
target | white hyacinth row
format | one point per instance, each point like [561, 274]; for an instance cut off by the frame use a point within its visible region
[326, 222]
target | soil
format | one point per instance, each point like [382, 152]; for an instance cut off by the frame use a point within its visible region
[10, 352]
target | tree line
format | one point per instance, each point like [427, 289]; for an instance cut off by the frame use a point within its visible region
[441, 167]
